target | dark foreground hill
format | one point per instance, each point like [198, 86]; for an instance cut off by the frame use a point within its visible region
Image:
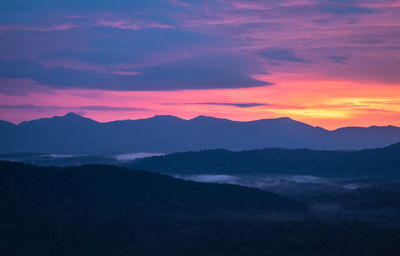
[74, 134]
[381, 162]
[139, 189]
[104, 210]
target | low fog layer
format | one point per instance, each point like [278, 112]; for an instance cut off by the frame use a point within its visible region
[285, 184]
[133, 156]
[74, 160]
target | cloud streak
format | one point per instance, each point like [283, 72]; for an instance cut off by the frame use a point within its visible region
[239, 105]
[40, 108]
[281, 54]
[204, 72]
[50, 28]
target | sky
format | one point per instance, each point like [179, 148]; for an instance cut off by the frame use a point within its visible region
[329, 63]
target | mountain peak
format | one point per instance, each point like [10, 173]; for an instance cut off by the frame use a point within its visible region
[285, 118]
[280, 120]
[165, 117]
[201, 117]
[69, 118]
[72, 115]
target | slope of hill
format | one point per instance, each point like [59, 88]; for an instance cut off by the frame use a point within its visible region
[74, 134]
[105, 210]
[112, 184]
[5, 124]
[41, 159]
[381, 162]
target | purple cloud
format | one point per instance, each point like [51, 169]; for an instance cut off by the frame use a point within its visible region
[338, 59]
[239, 105]
[41, 108]
[281, 54]
[203, 72]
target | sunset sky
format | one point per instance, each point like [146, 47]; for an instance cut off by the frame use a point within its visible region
[328, 63]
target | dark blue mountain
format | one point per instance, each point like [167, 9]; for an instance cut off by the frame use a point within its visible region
[5, 124]
[73, 133]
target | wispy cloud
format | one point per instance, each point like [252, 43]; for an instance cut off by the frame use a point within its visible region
[239, 105]
[41, 108]
[338, 59]
[203, 72]
[281, 54]
[131, 25]
[179, 3]
[59, 27]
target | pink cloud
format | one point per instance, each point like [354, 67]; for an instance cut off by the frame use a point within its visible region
[179, 3]
[125, 73]
[74, 64]
[126, 24]
[21, 87]
[60, 27]
[383, 4]
[87, 66]
[250, 5]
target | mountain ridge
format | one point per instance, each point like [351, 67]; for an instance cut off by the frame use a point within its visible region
[74, 115]
[379, 162]
[73, 133]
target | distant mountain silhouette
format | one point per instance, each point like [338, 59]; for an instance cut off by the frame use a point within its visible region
[73, 133]
[381, 162]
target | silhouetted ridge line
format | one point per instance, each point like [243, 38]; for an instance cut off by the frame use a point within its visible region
[75, 134]
[381, 162]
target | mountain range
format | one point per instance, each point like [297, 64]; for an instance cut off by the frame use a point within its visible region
[74, 134]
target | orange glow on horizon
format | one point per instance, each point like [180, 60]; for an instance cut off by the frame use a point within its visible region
[326, 103]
